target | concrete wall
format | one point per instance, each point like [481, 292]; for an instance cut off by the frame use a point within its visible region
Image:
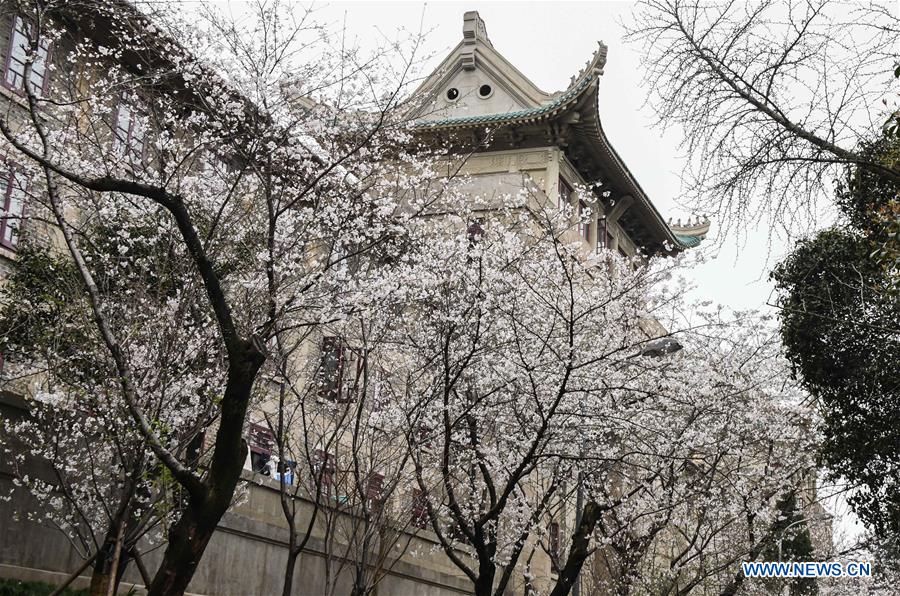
[247, 555]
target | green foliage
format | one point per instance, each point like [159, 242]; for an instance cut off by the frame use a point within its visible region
[872, 205]
[42, 309]
[793, 543]
[14, 587]
[840, 313]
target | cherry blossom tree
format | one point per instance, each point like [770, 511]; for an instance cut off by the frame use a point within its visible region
[104, 489]
[338, 468]
[275, 163]
[261, 150]
[532, 373]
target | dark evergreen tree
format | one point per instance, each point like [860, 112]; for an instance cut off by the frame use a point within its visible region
[840, 314]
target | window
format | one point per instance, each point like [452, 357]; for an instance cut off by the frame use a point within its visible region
[604, 238]
[375, 488]
[424, 437]
[419, 517]
[553, 544]
[13, 187]
[475, 231]
[564, 194]
[454, 531]
[584, 224]
[354, 375]
[378, 382]
[341, 371]
[129, 140]
[323, 472]
[261, 441]
[331, 368]
[17, 57]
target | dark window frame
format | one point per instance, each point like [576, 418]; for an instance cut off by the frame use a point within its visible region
[125, 148]
[604, 237]
[324, 469]
[419, 511]
[553, 543]
[342, 370]
[330, 381]
[563, 193]
[20, 88]
[8, 170]
[375, 488]
[261, 443]
[475, 231]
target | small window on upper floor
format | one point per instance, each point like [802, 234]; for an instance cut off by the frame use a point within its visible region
[475, 231]
[17, 57]
[375, 488]
[13, 190]
[604, 237]
[564, 194]
[129, 140]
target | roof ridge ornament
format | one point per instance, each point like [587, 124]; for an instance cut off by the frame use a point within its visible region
[592, 68]
[692, 231]
[474, 30]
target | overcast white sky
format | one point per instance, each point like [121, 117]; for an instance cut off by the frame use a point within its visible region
[549, 42]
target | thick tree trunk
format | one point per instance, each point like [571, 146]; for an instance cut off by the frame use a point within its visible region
[191, 534]
[188, 539]
[579, 551]
[293, 555]
[484, 585]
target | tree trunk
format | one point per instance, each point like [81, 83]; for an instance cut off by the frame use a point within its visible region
[188, 539]
[293, 555]
[579, 550]
[116, 561]
[142, 569]
[484, 585]
[102, 574]
[191, 534]
[106, 564]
